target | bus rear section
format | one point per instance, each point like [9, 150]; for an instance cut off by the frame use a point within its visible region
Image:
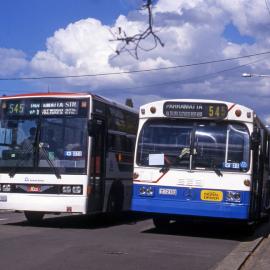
[200, 159]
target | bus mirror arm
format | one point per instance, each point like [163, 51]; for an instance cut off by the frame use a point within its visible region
[255, 139]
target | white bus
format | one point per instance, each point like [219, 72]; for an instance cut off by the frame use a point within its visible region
[65, 153]
[201, 158]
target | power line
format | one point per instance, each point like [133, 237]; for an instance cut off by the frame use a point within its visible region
[195, 78]
[133, 71]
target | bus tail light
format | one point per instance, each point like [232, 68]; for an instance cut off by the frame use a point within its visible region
[233, 196]
[89, 190]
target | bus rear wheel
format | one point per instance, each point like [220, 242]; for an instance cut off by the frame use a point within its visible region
[34, 218]
[161, 222]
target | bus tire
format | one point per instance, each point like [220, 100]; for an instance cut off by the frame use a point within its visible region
[114, 206]
[249, 228]
[34, 218]
[161, 222]
[115, 201]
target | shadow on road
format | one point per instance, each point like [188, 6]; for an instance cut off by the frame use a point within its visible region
[83, 221]
[186, 227]
[214, 229]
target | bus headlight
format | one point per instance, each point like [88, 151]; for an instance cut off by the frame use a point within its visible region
[77, 189]
[146, 191]
[66, 189]
[233, 196]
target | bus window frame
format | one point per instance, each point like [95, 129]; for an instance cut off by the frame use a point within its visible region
[193, 168]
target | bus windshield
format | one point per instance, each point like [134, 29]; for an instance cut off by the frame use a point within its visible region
[212, 145]
[43, 143]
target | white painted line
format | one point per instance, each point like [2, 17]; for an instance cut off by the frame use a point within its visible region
[2, 219]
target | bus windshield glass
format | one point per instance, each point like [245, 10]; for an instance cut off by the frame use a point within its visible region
[40, 135]
[212, 145]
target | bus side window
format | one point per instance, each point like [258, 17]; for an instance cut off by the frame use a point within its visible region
[263, 144]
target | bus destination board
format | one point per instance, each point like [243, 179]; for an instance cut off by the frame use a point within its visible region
[195, 110]
[42, 107]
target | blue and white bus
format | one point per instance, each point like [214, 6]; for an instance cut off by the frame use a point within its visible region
[201, 158]
[65, 153]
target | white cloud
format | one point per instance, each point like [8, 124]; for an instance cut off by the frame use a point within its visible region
[192, 31]
[12, 61]
[82, 48]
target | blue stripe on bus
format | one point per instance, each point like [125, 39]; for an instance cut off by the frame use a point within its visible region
[187, 201]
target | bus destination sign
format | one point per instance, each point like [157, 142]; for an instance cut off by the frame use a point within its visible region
[45, 107]
[195, 110]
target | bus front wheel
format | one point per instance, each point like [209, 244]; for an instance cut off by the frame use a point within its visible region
[34, 217]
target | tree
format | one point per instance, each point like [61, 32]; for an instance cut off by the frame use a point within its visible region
[132, 44]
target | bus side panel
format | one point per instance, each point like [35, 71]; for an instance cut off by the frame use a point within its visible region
[112, 160]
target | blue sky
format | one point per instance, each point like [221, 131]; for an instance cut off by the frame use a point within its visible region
[71, 37]
[26, 24]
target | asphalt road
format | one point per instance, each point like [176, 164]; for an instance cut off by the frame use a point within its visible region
[79, 242]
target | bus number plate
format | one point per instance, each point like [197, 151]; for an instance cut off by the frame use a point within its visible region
[3, 198]
[211, 195]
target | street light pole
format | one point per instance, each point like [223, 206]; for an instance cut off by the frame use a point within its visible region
[249, 75]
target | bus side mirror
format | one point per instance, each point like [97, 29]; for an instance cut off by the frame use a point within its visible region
[255, 139]
[91, 127]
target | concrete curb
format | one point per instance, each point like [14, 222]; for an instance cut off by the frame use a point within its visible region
[237, 257]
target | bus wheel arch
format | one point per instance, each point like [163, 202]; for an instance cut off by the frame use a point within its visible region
[34, 217]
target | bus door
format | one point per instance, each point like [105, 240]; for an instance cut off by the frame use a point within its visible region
[257, 175]
[265, 171]
[97, 166]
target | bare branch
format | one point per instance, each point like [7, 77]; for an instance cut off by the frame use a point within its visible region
[132, 44]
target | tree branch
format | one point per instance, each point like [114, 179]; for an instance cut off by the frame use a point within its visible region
[132, 44]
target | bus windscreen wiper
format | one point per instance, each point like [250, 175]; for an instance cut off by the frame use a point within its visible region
[216, 169]
[46, 156]
[40, 146]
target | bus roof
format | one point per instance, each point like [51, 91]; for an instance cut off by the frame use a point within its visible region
[70, 95]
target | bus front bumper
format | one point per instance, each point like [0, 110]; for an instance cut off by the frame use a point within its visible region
[43, 203]
[188, 202]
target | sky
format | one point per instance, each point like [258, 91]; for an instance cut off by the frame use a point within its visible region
[74, 37]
